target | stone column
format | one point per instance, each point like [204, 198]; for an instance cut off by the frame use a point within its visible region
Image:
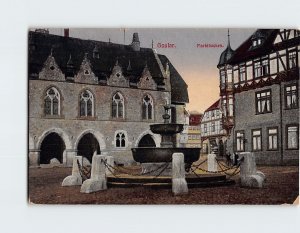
[98, 180]
[250, 177]
[179, 184]
[69, 156]
[34, 157]
[75, 178]
[212, 165]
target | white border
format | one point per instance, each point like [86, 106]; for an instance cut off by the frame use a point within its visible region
[18, 16]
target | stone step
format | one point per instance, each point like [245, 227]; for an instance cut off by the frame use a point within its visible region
[165, 179]
[169, 184]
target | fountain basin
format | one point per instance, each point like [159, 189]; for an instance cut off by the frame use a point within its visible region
[161, 154]
[166, 129]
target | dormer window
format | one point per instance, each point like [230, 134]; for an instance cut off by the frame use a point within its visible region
[258, 41]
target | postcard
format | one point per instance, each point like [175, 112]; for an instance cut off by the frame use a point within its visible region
[163, 116]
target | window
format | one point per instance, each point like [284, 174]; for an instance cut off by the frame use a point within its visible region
[291, 96]
[256, 140]
[222, 79]
[272, 139]
[257, 69]
[258, 41]
[261, 68]
[205, 128]
[118, 106]
[292, 137]
[240, 141]
[230, 107]
[224, 107]
[52, 102]
[217, 113]
[147, 108]
[86, 104]
[213, 113]
[242, 73]
[265, 67]
[292, 60]
[263, 102]
[213, 127]
[120, 140]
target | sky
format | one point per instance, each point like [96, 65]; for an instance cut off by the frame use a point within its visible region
[197, 65]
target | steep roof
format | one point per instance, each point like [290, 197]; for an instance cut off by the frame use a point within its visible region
[215, 105]
[179, 93]
[41, 45]
[246, 51]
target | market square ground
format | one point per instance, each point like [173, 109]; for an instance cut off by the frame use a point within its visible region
[281, 187]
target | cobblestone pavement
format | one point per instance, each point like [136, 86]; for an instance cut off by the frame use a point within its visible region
[282, 186]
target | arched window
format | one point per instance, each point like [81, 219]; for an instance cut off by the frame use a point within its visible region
[52, 102]
[120, 140]
[86, 103]
[118, 106]
[147, 108]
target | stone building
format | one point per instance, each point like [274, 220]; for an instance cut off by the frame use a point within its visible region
[259, 89]
[212, 133]
[87, 97]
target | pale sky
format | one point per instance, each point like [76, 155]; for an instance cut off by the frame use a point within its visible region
[197, 66]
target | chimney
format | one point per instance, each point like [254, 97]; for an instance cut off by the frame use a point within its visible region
[66, 32]
[135, 44]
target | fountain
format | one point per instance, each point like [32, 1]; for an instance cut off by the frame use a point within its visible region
[164, 153]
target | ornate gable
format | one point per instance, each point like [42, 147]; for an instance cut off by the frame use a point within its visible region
[146, 80]
[117, 78]
[85, 73]
[51, 70]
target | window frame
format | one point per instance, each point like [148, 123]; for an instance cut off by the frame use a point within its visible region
[117, 110]
[252, 139]
[150, 102]
[295, 57]
[257, 100]
[120, 140]
[57, 94]
[92, 98]
[243, 141]
[277, 141]
[243, 66]
[286, 136]
[291, 92]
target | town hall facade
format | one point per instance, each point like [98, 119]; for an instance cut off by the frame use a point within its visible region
[87, 97]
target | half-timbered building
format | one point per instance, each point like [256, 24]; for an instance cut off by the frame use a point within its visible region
[259, 90]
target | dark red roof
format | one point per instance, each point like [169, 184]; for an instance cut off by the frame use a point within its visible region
[215, 105]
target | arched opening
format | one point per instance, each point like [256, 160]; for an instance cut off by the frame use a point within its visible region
[87, 146]
[52, 146]
[147, 141]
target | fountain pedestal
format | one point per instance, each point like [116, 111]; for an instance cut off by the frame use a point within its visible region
[152, 158]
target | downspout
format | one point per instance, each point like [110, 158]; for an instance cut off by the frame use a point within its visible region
[281, 127]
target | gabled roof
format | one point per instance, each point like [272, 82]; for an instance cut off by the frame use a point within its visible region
[215, 105]
[41, 44]
[247, 52]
